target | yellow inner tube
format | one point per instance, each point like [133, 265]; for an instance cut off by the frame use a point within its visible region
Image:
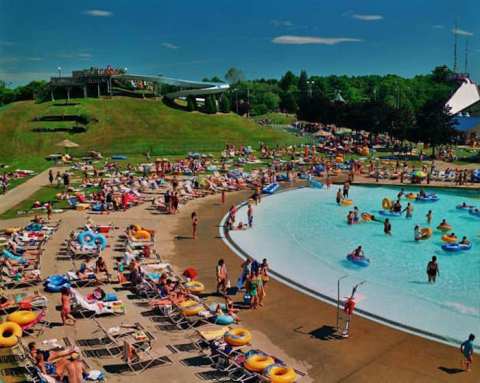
[449, 239]
[411, 196]
[142, 234]
[281, 374]
[22, 317]
[238, 336]
[339, 160]
[258, 362]
[11, 230]
[366, 217]
[10, 333]
[136, 227]
[426, 233]
[188, 303]
[192, 310]
[386, 204]
[444, 227]
[346, 202]
[195, 286]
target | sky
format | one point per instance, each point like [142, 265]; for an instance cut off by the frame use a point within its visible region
[193, 39]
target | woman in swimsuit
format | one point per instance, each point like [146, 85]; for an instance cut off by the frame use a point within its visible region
[433, 270]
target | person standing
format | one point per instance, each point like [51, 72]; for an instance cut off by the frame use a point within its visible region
[250, 214]
[223, 196]
[429, 217]
[66, 313]
[222, 277]
[433, 270]
[50, 176]
[194, 225]
[466, 348]
[387, 227]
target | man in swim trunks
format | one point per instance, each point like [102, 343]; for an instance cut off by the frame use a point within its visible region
[416, 233]
[466, 349]
[433, 270]
[408, 210]
[464, 241]
[339, 196]
[429, 217]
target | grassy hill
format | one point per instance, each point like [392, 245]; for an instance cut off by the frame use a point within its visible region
[122, 126]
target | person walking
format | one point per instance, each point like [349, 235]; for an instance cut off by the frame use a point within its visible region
[194, 225]
[433, 270]
[466, 348]
[222, 277]
[50, 176]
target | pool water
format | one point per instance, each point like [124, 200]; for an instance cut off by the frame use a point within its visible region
[305, 236]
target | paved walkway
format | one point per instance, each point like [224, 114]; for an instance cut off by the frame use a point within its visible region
[16, 195]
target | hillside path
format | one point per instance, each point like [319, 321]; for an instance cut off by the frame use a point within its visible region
[20, 193]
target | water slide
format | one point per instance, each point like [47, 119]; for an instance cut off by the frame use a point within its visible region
[465, 96]
[188, 88]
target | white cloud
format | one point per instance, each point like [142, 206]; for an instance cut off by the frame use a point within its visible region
[367, 17]
[462, 32]
[302, 40]
[169, 46]
[98, 13]
[282, 23]
[438, 26]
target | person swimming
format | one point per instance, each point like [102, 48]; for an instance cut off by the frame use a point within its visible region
[358, 252]
[387, 227]
[401, 193]
[429, 217]
[397, 206]
[417, 234]
[464, 241]
[408, 211]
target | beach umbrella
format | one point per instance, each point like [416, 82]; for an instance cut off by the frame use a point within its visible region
[67, 144]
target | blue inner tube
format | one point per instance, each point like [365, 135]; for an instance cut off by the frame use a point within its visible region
[475, 212]
[388, 213]
[466, 207]
[34, 227]
[360, 261]
[55, 283]
[271, 188]
[454, 247]
[428, 198]
[89, 239]
[315, 184]
[224, 319]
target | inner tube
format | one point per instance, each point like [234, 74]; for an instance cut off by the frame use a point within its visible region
[258, 362]
[315, 184]
[475, 212]
[280, 374]
[444, 228]
[388, 213]
[411, 196]
[427, 198]
[195, 286]
[346, 202]
[449, 238]
[386, 204]
[143, 235]
[271, 188]
[10, 333]
[366, 217]
[86, 238]
[22, 317]
[192, 310]
[187, 303]
[224, 320]
[465, 207]
[425, 232]
[55, 283]
[454, 247]
[119, 157]
[360, 261]
[238, 336]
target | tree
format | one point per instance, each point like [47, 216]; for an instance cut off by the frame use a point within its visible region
[210, 105]
[225, 106]
[435, 124]
[191, 103]
[234, 75]
[288, 81]
[288, 102]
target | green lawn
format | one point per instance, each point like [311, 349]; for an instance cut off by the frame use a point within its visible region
[44, 194]
[125, 126]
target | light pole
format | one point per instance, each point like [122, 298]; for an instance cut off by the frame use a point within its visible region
[59, 72]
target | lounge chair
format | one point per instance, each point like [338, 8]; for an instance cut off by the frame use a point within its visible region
[85, 309]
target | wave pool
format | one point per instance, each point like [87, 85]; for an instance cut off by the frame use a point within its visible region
[304, 235]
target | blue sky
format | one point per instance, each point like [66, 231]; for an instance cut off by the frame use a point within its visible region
[193, 39]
